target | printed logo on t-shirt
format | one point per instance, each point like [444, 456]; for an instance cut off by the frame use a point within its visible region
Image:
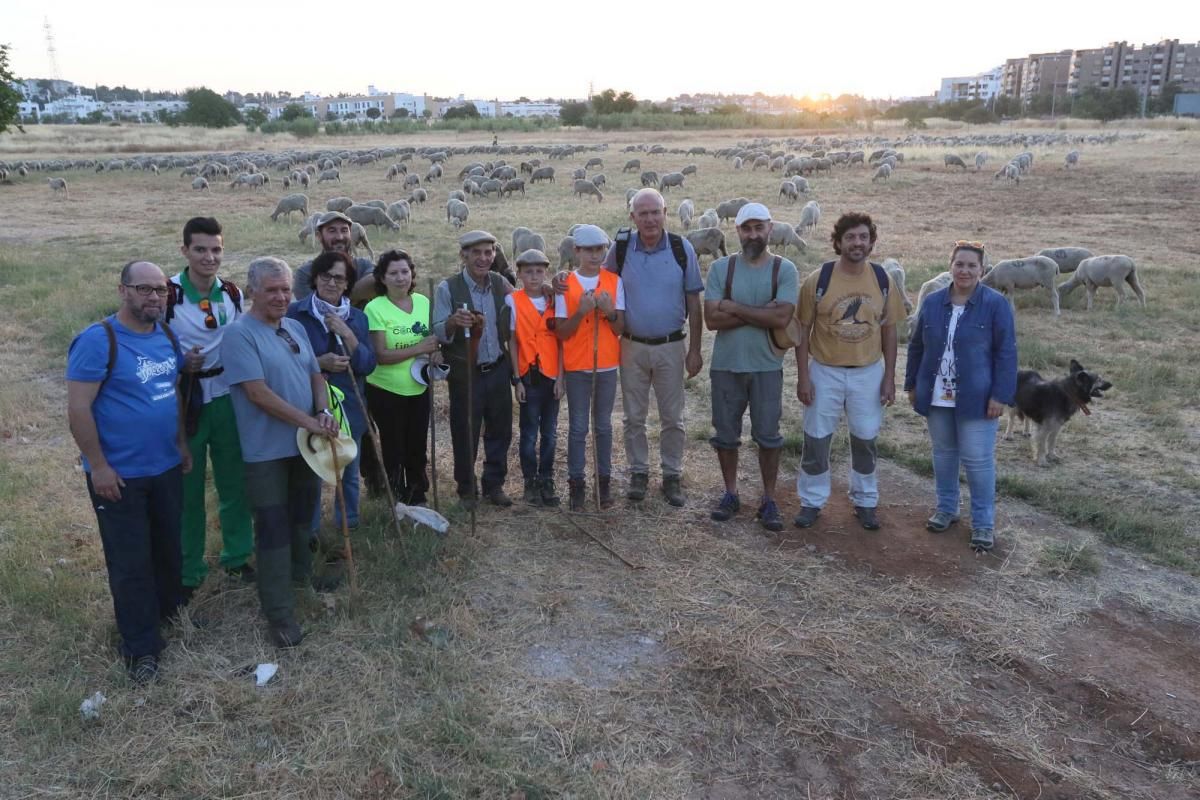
[418, 328]
[852, 317]
[148, 368]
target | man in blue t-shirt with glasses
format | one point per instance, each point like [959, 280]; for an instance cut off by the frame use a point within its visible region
[124, 413]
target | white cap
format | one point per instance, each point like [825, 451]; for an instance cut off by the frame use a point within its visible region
[752, 211]
[589, 236]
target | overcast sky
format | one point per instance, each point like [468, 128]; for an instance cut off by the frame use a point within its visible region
[542, 49]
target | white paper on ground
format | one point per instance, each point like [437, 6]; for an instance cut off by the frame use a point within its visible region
[90, 707]
[264, 672]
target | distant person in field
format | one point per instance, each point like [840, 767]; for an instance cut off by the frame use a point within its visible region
[747, 294]
[124, 413]
[202, 305]
[277, 388]
[473, 299]
[333, 232]
[662, 333]
[845, 364]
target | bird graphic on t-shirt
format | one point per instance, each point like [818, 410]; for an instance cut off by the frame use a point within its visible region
[850, 316]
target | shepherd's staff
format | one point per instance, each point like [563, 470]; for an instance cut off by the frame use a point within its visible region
[470, 417]
[341, 495]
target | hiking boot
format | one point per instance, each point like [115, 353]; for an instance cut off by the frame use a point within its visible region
[807, 516]
[982, 540]
[533, 492]
[143, 670]
[940, 521]
[768, 514]
[606, 498]
[867, 517]
[497, 497]
[639, 482]
[672, 489]
[730, 504]
[549, 493]
[286, 633]
[245, 573]
[578, 493]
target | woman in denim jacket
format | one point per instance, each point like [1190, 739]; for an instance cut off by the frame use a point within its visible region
[961, 373]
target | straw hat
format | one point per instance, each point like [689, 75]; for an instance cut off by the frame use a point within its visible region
[318, 452]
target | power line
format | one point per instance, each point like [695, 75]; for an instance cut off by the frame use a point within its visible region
[51, 50]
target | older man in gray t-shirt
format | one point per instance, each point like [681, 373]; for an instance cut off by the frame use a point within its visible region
[661, 297]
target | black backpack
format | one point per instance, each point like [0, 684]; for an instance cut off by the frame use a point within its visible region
[676, 242]
[175, 296]
[881, 277]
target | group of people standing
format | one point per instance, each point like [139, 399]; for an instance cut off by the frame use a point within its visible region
[342, 342]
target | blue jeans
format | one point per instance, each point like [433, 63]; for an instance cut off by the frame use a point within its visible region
[579, 408]
[350, 488]
[973, 443]
[539, 415]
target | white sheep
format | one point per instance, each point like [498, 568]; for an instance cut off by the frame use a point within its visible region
[1112, 271]
[783, 234]
[338, 204]
[566, 253]
[358, 235]
[583, 187]
[542, 174]
[937, 282]
[707, 241]
[371, 215]
[331, 174]
[882, 172]
[199, 184]
[810, 216]
[401, 211]
[708, 219]
[290, 203]
[687, 209]
[1024, 273]
[1072, 159]
[59, 185]
[1067, 258]
[457, 212]
[788, 189]
[525, 239]
[1009, 171]
[896, 272]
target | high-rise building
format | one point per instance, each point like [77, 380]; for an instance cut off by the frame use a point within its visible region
[1147, 68]
[983, 86]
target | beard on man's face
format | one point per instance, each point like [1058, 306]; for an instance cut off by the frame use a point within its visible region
[753, 248]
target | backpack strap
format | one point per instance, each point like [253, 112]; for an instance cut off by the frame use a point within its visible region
[881, 277]
[171, 336]
[775, 277]
[823, 279]
[676, 242]
[112, 350]
[235, 294]
[729, 277]
[174, 298]
[622, 240]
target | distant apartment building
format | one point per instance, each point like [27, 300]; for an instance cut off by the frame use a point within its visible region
[529, 109]
[1147, 68]
[983, 86]
[1036, 73]
[355, 106]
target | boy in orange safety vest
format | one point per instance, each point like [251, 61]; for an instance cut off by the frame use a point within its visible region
[537, 375]
[591, 316]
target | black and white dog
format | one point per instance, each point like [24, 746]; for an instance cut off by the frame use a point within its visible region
[1049, 404]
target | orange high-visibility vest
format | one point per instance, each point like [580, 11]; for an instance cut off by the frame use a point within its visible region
[536, 343]
[577, 350]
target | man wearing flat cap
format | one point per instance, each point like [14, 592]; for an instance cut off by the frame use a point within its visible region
[473, 322]
[333, 232]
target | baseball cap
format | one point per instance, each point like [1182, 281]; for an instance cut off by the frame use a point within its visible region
[752, 211]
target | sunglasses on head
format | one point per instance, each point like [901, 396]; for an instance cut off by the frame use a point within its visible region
[210, 321]
[282, 333]
[971, 245]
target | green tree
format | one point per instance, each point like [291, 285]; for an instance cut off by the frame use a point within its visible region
[254, 117]
[374, 113]
[293, 111]
[208, 109]
[427, 113]
[1165, 102]
[400, 113]
[465, 111]
[10, 98]
[572, 113]
[979, 115]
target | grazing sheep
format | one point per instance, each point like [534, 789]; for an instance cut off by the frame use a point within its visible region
[518, 235]
[193, 170]
[669, 180]
[629, 193]
[980, 159]
[782, 234]
[304, 179]
[396, 170]
[200, 184]
[154, 168]
[1010, 172]
[331, 174]
[649, 178]
[457, 212]
[491, 185]
[542, 174]
[59, 185]
[1067, 258]
[371, 215]
[1024, 273]
[400, 211]
[358, 235]
[737, 162]
[883, 172]
[287, 183]
[801, 184]
[707, 241]
[810, 215]
[435, 172]
[524, 239]
[309, 229]
[730, 208]
[583, 187]
[412, 180]
[457, 194]
[503, 173]
[566, 253]
[338, 204]
[579, 174]
[788, 189]
[708, 219]
[939, 281]
[776, 164]
[687, 210]
[599, 179]
[632, 165]
[954, 161]
[290, 203]
[1114, 271]
[1072, 159]
[896, 272]
[690, 169]
[418, 196]
[593, 162]
[382, 206]
[761, 161]
[515, 185]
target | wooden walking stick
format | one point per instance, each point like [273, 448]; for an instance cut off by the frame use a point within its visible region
[595, 446]
[470, 365]
[341, 495]
[376, 444]
[432, 418]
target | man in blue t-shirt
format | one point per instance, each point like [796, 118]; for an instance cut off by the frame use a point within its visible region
[124, 414]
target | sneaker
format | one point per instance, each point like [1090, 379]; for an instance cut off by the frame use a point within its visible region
[867, 517]
[606, 498]
[982, 540]
[497, 497]
[807, 516]
[672, 489]
[768, 514]
[578, 494]
[533, 492]
[245, 572]
[639, 482]
[549, 493]
[730, 504]
[940, 521]
[286, 634]
[143, 670]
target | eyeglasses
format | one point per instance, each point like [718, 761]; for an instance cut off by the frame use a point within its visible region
[327, 277]
[145, 289]
[972, 245]
[282, 333]
[210, 321]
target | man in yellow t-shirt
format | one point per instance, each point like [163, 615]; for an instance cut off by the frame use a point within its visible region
[845, 361]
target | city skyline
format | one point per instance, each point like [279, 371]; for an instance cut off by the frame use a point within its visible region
[540, 50]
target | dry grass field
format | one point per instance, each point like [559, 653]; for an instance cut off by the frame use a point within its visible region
[829, 663]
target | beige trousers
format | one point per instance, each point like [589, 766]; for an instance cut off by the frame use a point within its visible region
[657, 366]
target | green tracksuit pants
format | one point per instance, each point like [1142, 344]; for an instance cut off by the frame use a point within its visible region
[216, 438]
